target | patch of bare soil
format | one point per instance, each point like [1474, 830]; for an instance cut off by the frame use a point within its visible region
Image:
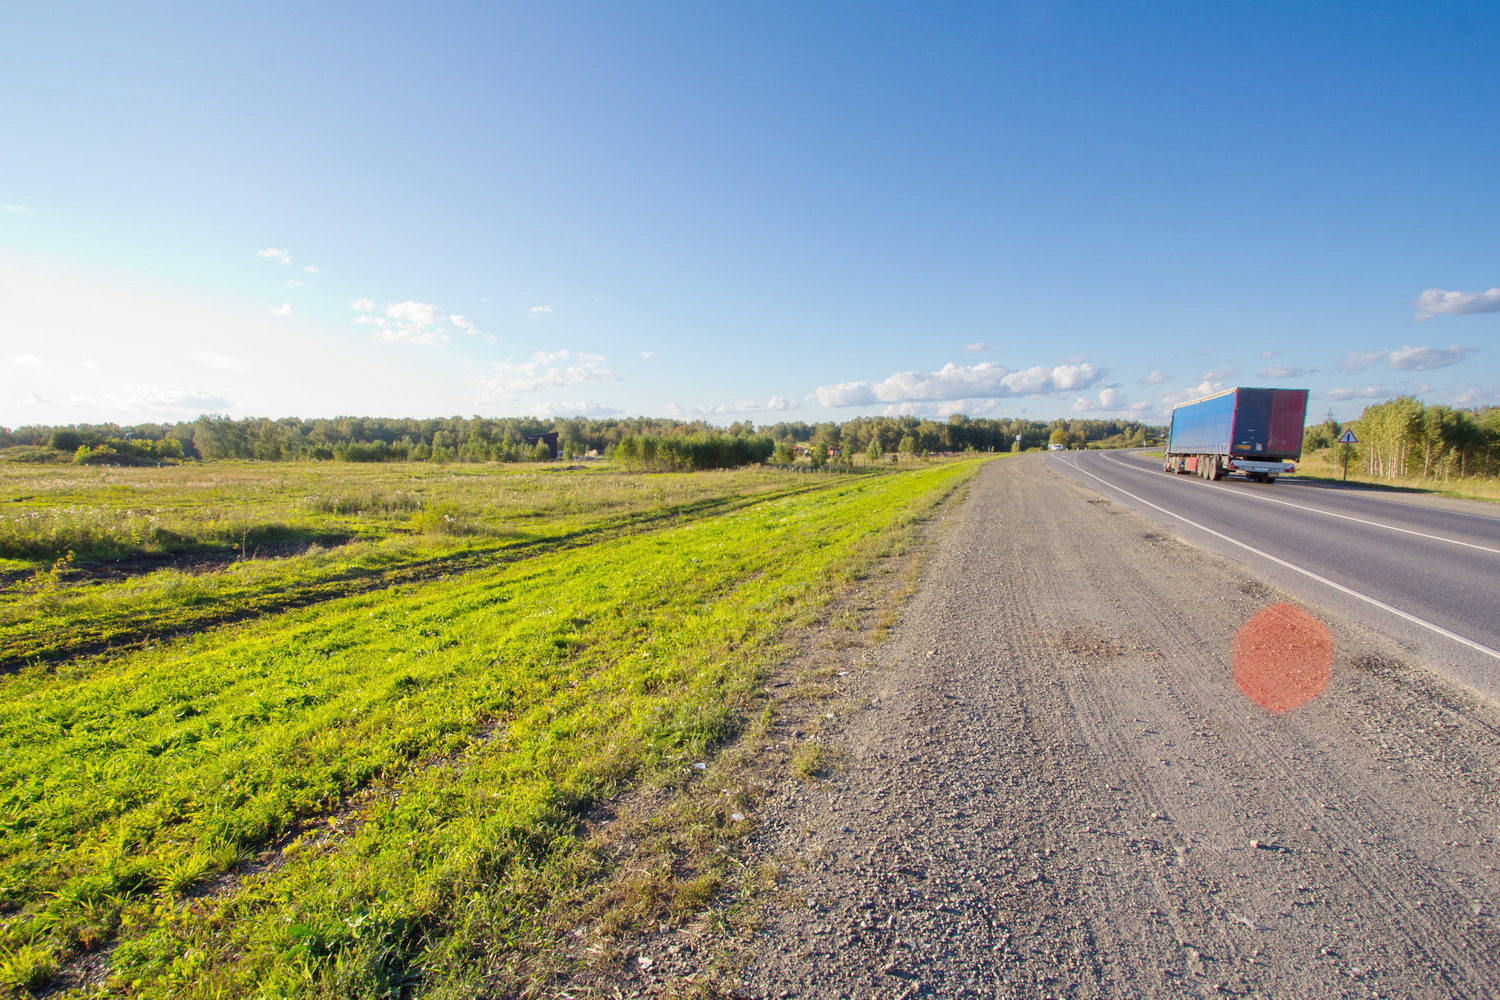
[193, 561]
[201, 561]
[1048, 785]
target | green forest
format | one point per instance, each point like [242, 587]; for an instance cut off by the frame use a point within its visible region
[511, 439]
[1398, 439]
[1403, 438]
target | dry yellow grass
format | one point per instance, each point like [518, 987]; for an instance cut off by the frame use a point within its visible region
[1331, 467]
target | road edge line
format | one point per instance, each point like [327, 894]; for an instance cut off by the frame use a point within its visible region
[1356, 520]
[1424, 623]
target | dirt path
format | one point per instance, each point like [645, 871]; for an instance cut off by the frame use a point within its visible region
[1053, 787]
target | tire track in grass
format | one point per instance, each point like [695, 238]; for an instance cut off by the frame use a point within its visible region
[44, 643]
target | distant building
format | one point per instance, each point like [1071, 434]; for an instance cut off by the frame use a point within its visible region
[549, 439]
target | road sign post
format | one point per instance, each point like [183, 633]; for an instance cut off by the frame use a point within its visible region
[1346, 439]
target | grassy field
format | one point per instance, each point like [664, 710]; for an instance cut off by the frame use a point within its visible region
[312, 731]
[103, 558]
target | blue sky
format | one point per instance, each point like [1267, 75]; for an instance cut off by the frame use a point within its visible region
[744, 212]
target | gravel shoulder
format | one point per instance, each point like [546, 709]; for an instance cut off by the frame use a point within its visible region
[1047, 784]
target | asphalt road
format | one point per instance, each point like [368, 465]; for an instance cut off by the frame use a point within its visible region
[1421, 571]
[1050, 782]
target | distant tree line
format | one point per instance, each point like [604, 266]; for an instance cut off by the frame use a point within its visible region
[1405, 438]
[691, 452]
[504, 439]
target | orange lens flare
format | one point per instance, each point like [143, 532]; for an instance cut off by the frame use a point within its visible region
[1281, 658]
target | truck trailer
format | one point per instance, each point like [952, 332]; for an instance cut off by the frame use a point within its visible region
[1254, 432]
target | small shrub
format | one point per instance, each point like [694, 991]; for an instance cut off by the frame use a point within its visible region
[373, 501]
[34, 454]
[442, 519]
[809, 761]
[45, 580]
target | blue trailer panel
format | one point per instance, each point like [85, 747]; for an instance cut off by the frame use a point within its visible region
[1204, 426]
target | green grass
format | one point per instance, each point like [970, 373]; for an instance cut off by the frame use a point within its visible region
[382, 791]
[404, 525]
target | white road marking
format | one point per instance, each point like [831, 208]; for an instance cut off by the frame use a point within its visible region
[1423, 622]
[1358, 520]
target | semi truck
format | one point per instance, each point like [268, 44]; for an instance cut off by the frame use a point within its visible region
[1254, 432]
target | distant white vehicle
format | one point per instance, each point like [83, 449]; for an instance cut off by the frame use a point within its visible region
[1054, 447]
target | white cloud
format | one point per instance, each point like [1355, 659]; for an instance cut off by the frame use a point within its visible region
[544, 370]
[536, 311]
[28, 361]
[648, 355]
[942, 409]
[1358, 361]
[1421, 359]
[1407, 359]
[294, 283]
[15, 208]
[1283, 371]
[1268, 355]
[1476, 397]
[1219, 374]
[772, 405]
[285, 309]
[1109, 400]
[416, 315]
[1198, 391]
[575, 410]
[92, 366]
[986, 380]
[223, 362]
[282, 255]
[310, 269]
[1155, 378]
[978, 347]
[1368, 392]
[1435, 301]
[410, 322]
